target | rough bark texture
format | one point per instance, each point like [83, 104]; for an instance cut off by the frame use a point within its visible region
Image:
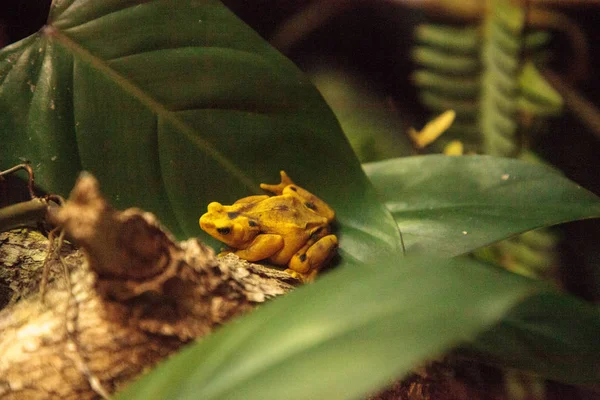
[133, 297]
[22, 252]
[448, 380]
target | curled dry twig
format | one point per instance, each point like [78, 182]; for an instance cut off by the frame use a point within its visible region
[28, 212]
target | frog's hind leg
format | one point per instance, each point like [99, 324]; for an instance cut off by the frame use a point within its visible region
[306, 263]
[278, 189]
[311, 201]
[263, 246]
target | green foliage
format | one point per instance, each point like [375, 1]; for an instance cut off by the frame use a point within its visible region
[387, 319]
[175, 104]
[500, 85]
[172, 106]
[530, 254]
[477, 71]
[551, 335]
[537, 96]
[489, 101]
[453, 205]
[370, 122]
[324, 343]
[449, 77]
[509, 83]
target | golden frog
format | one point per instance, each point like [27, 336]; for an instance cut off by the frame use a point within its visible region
[290, 228]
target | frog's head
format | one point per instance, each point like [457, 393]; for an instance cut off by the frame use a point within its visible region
[227, 225]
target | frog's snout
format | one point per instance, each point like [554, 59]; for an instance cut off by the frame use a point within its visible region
[205, 224]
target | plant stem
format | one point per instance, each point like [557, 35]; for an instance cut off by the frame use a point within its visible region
[25, 213]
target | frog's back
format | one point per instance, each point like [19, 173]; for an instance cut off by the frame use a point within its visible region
[277, 211]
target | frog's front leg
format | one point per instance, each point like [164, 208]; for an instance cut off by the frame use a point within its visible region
[307, 262]
[262, 246]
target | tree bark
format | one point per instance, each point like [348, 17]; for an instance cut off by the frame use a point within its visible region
[133, 297]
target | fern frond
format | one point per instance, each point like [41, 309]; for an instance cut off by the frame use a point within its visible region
[449, 77]
[454, 64]
[461, 87]
[467, 108]
[460, 40]
[538, 97]
[500, 85]
[535, 41]
[481, 73]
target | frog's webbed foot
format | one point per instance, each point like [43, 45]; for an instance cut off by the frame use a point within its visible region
[307, 262]
[278, 189]
[305, 278]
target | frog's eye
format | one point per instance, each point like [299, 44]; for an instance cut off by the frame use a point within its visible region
[215, 207]
[224, 231]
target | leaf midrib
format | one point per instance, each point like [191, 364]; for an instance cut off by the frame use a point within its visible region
[148, 101]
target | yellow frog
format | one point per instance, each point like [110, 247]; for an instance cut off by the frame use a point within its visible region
[290, 228]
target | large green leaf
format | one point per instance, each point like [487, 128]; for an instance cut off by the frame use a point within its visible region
[173, 105]
[453, 205]
[321, 342]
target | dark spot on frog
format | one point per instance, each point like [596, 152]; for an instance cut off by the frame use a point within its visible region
[310, 205]
[252, 223]
[224, 231]
[244, 207]
[232, 215]
[293, 188]
[302, 257]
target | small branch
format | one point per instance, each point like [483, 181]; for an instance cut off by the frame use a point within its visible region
[579, 65]
[464, 10]
[22, 214]
[30, 181]
[584, 109]
[307, 20]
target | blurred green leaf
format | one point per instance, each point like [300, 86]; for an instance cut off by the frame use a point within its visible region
[453, 205]
[371, 122]
[173, 105]
[537, 95]
[321, 342]
[550, 334]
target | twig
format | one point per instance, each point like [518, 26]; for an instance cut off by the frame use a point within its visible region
[309, 19]
[30, 181]
[46, 265]
[24, 213]
[579, 67]
[584, 109]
